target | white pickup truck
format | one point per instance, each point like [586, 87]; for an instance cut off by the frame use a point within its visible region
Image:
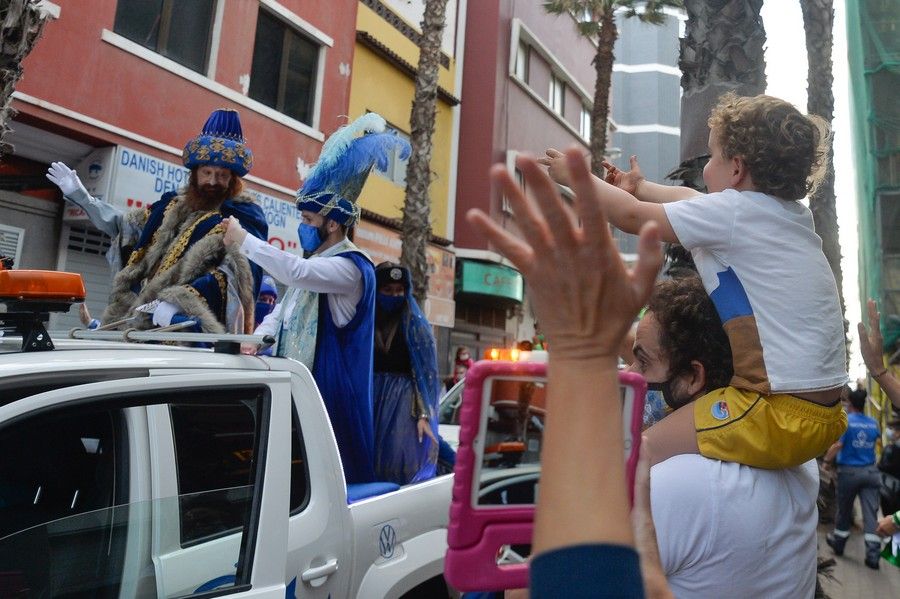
[154, 471]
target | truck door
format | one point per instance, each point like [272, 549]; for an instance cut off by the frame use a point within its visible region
[70, 466]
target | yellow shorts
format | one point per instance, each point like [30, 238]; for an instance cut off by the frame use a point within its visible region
[765, 431]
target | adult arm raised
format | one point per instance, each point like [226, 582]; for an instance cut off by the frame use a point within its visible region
[586, 300]
[870, 345]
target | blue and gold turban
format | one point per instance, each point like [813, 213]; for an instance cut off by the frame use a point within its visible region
[220, 143]
[335, 182]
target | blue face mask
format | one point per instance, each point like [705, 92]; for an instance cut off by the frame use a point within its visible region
[310, 237]
[262, 310]
[654, 407]
[390, 303]
[658, 403]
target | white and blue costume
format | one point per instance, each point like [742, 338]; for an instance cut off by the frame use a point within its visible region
[326, 319]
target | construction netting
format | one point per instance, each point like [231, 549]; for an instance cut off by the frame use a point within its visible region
[873, 42]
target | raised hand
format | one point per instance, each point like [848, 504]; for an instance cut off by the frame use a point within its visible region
[871, 341]
[65, 178]
[583, 296]
[557, 168]
[625, 180]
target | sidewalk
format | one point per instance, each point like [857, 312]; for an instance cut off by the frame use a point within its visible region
[852, 578]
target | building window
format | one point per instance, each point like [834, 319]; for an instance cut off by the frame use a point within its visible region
[522, 61]
[505, 206]
[557, 94]
[586, 123]
[284, 71]
[396, 170]
[177, 30]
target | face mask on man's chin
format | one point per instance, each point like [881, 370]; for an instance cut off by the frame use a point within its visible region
[659, 402]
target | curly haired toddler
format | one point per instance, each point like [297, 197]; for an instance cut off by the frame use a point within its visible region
[762, 265]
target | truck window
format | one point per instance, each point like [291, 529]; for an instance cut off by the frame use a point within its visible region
[68, 526]
[213, 452]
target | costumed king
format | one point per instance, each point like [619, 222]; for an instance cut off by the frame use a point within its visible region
[407, 386]
[179, 258]
[327, 317]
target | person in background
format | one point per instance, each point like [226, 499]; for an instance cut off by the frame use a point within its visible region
[889, 464]
[583, 542]
[406, 385]
[871, 345]
[84, 315]
[463, 357]
[326, 320]
[265, 302]
[857, 475]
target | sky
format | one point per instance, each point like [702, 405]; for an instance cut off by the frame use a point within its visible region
[786, 79]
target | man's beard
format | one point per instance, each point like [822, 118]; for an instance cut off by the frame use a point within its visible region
[208, 197]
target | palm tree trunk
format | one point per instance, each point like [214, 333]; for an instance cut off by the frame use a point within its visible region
[722, 50]
[818, 23]
[21, 22]
[603, 64]
[416, 224]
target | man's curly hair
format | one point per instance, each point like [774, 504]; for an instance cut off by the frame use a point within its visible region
[690, 329]
[786, 152]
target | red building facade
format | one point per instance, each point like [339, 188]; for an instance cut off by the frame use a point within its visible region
[116, 91]
[528, 85]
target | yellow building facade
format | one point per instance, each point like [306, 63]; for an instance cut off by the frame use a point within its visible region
[382, 81]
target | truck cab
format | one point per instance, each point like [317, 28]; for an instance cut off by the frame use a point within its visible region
[134, 470]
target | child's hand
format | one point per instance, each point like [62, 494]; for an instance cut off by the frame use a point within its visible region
[871, 342]
[583, 296]
[555, 161]
[625, 180]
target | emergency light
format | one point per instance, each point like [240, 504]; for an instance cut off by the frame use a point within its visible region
[30, 296]
[41, 286]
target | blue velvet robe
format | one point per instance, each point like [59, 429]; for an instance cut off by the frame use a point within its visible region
[343, 371]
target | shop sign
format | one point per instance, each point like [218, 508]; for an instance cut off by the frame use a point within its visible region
[491, 279]
[140, 179]
[383, 244]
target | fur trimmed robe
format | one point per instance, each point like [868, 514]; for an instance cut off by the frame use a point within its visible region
[180, 258]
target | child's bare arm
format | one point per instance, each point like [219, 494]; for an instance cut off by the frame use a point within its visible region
[633, 182]
[629, 214]
[673, 435]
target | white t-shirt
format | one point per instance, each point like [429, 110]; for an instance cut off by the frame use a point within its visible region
[729, 530]
[762, 264]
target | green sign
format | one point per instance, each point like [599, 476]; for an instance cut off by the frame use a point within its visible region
[491, 279]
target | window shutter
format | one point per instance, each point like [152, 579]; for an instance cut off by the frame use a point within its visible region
[11, 239]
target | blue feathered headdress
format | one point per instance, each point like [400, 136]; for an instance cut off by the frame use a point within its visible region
[335, 182]
[220, 143]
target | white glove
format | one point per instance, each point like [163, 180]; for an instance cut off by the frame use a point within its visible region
[65, 178]
[162, 315]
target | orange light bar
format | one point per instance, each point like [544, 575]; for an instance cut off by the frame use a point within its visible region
[496, 353]
[41, 285]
